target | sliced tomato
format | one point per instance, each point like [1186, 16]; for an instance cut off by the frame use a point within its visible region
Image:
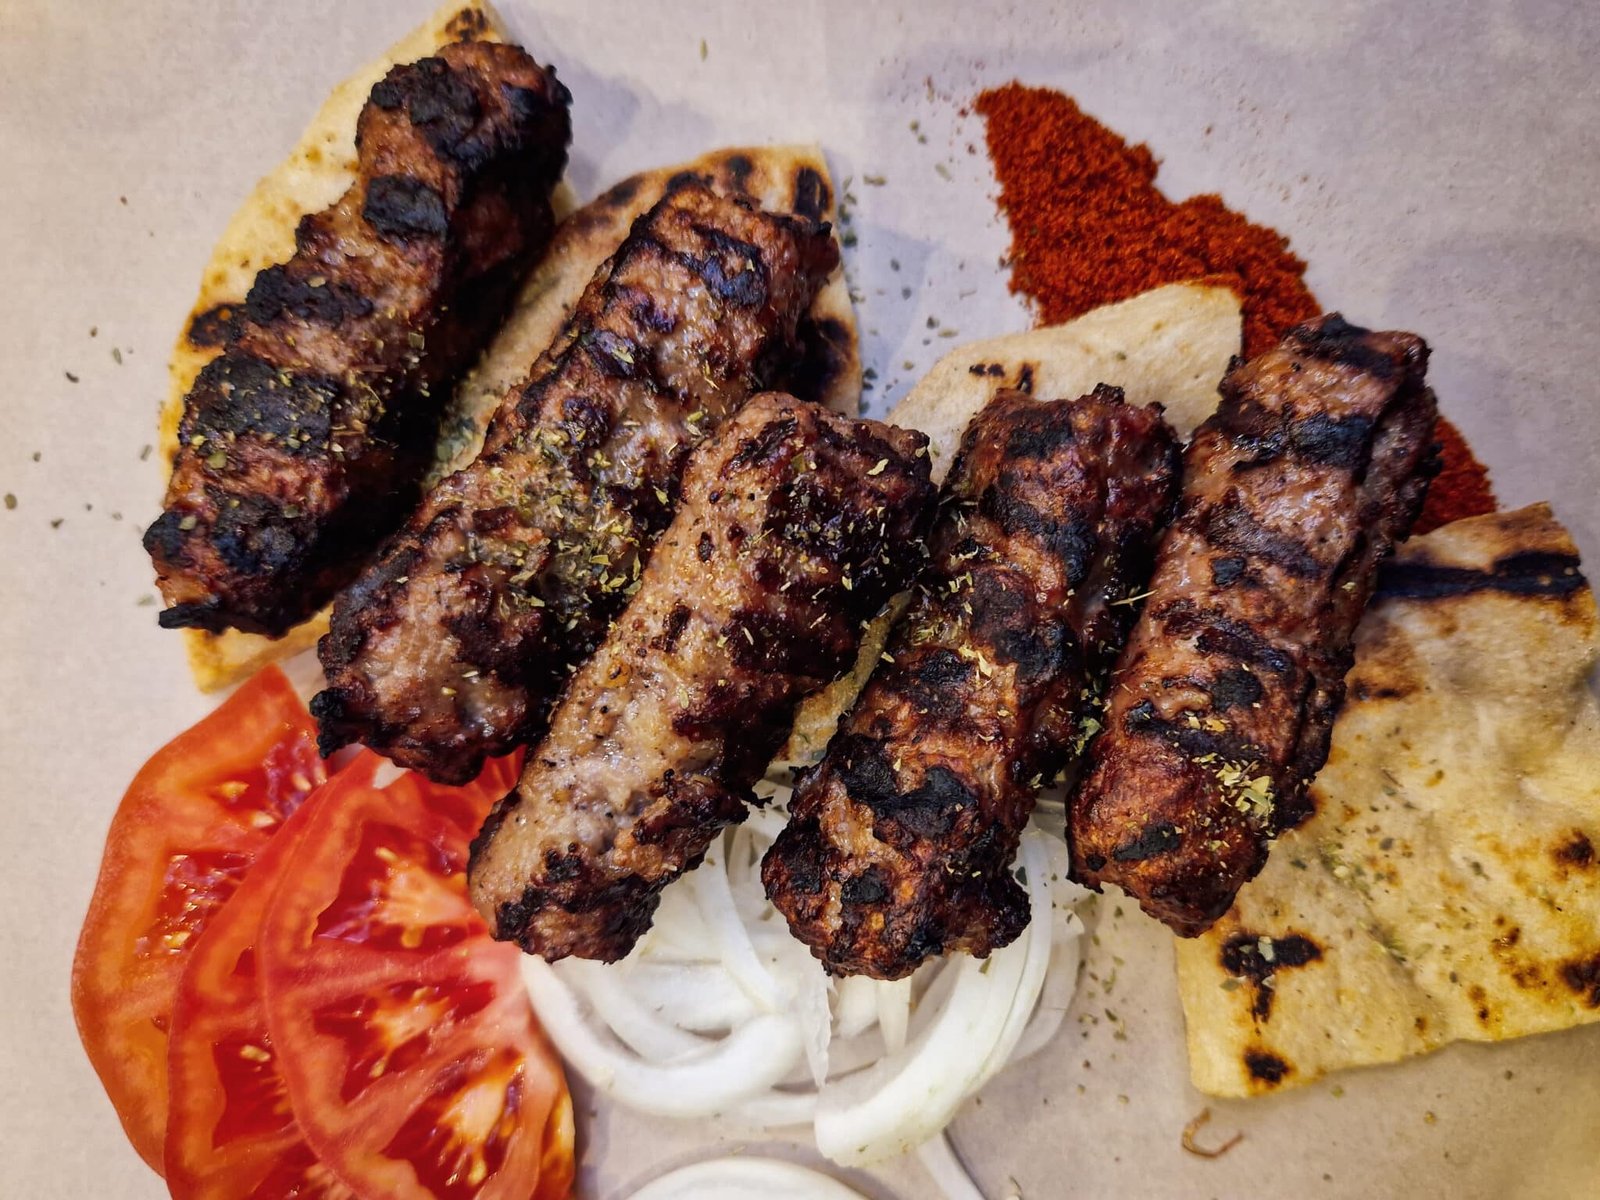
[231, 1134]
[191, 824]
[404, 1033]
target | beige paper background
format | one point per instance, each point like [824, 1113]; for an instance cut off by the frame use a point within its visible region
[1435, 162]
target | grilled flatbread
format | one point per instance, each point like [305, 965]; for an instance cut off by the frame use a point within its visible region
[1170, 345]
[1445, 888]
[319, 170]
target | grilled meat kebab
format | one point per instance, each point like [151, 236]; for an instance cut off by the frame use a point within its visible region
[1221, 707]
[452, 644]
[899, 844]
[305, 442]
[796, 526]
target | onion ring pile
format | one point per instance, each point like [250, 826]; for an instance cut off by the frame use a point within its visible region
[719, 1012]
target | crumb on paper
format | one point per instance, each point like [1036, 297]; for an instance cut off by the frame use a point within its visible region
[1195, 1125]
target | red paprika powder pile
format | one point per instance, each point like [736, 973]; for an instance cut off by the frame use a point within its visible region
[1089, 227]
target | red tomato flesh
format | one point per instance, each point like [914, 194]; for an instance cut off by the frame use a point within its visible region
[231, 1134]
[404, 1034]
[191, 825]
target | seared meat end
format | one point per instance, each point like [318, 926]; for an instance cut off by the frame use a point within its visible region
[796, 526]
[1221, 707]
[452, 645]
[899, 844]
[305, 442]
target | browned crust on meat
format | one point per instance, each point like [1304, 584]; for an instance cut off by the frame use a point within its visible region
[899, 844]
[449, 648]
[305, 441]
[1222, 706]
[796, 526]
[792, 179]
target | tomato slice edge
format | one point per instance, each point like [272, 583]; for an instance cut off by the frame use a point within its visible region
[352, 1134]
[121, 1003]
[219, 1009]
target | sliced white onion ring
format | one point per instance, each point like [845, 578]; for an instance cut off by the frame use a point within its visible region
[750, 1060]
[894, 1013]
[626, 1011]
[911, 1094]
[688, 994]
[719, 1012]
[855, 1005]
[714, 898]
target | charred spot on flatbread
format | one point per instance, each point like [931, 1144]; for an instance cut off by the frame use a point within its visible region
[468, 25]
[737, 167]
[619, 195]
[1266, 1067]
[1258, 958]
[1582, 975]
[1532, 573]
[213, 328]
[1575, 851]
[1364, 690]
[688, 178]
[812, 196]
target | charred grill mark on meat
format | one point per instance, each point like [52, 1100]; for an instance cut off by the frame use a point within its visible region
[451, 646]
[1222, 705]
[813, 521]
[304, 443]
[899, 844]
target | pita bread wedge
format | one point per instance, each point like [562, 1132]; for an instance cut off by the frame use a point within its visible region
[1170, 346]
[1448, 886]
[321, 167]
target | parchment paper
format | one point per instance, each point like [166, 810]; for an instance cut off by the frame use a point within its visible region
[1435, 163]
